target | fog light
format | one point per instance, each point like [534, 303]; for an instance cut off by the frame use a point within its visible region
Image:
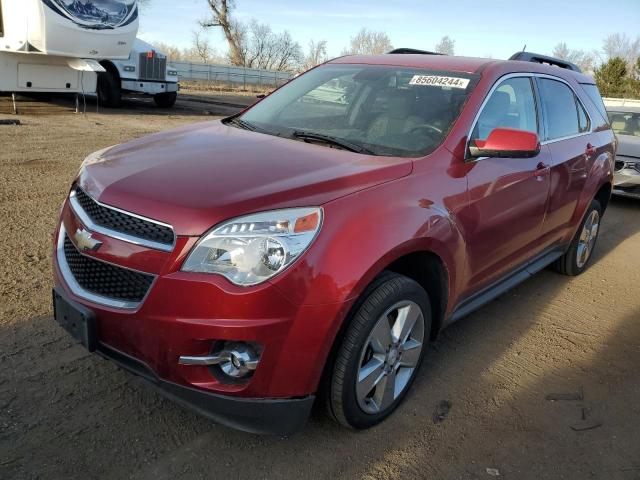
[236, 359]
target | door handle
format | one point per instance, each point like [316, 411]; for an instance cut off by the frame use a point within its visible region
[541, 166]
[590, 150]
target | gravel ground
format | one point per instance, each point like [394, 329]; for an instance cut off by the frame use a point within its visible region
[481, 405]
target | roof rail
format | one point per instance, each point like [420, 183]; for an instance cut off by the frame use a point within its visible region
[537, 58]
[409, 51]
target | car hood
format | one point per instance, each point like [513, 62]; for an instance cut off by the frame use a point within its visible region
[629, 146]
[197, 176]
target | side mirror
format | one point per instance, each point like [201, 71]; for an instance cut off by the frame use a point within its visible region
[506, 142]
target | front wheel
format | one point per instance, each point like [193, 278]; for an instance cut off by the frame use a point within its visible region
[576, 259]
[165, 100]
[108, 90]
[381, 352]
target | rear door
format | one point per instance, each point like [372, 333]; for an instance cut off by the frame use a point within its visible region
[567, 128]
[507, 196]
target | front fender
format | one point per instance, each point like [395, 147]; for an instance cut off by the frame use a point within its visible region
[362, 235]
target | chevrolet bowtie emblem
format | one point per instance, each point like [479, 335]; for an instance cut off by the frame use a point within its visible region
[85, 242]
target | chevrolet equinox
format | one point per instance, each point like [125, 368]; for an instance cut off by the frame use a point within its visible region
[314, 244]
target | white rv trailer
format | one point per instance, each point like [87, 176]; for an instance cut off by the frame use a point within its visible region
[53, 45]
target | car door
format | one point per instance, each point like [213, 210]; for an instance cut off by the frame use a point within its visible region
[507, 196]
[567, 128]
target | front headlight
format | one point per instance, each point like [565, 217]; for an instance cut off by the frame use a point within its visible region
[249, 250]
[95, 157]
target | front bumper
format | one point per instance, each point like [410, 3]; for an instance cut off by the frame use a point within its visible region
[149, 87]
[263, 416]
[626, 181]
[186, 314]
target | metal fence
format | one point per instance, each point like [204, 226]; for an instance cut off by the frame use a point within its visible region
[236, 76]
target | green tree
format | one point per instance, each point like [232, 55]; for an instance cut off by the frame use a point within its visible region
[633, 81]
[611, 78]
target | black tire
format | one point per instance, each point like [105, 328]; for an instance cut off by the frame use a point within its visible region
[109, 91]
[568, 263]
[165, 100]
[384, 293]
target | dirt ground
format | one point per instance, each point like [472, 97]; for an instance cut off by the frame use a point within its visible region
[66, 414]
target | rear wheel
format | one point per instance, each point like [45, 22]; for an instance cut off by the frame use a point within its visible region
[381, 352]
[165, 100]
[576, 259]
[109, 90]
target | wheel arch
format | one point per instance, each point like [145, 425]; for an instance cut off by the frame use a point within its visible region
[425, 267]
[111, 68]
[603, 195]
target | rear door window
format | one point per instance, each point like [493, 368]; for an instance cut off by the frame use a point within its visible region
[583, 119]
[564, 114]
[511, 105]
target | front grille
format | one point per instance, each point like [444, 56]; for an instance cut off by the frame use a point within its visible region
[152, 67]
[121, 222]
[104, 279]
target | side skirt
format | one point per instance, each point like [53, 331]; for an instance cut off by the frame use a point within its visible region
[505, 284]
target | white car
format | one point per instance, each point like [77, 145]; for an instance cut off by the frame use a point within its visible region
[625, 122]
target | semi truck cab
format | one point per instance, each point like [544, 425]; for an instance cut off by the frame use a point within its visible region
[146, 71]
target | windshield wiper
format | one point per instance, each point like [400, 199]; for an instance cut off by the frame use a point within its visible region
[338, 142]
[238, 122]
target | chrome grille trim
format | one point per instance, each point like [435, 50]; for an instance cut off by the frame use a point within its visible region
[91, 225]
[80, 292]
[154, 68]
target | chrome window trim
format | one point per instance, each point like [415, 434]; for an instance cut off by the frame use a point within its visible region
[508, 76]
[89, 223]
[80, 292]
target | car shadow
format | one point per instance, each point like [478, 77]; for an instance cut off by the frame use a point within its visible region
[70, 414]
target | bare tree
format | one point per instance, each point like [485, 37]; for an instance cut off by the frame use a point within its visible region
[202, 47]
[368, 42]
[317, 54]
[620, 45]
[584, 60]
[446, 46]
[268, 50]
[171, 51]
[234, 32]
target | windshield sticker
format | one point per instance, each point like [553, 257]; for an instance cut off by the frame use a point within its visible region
[439, 81]
[96, 14]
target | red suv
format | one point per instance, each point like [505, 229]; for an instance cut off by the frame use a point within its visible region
[317, 242]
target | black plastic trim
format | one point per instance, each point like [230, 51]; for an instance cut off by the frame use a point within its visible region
[506, 283]
[281, 417]
[537, 58]
[412, 51]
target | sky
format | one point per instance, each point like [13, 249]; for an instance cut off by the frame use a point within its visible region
[495, 28]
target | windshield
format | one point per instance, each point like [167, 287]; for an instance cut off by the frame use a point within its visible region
[625, 123]
[379, 110]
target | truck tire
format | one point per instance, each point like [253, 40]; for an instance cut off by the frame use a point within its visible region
[109, 91]
[165, 100]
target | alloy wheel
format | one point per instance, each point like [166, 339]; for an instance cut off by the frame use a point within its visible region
[588, 238]
[390, 357]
